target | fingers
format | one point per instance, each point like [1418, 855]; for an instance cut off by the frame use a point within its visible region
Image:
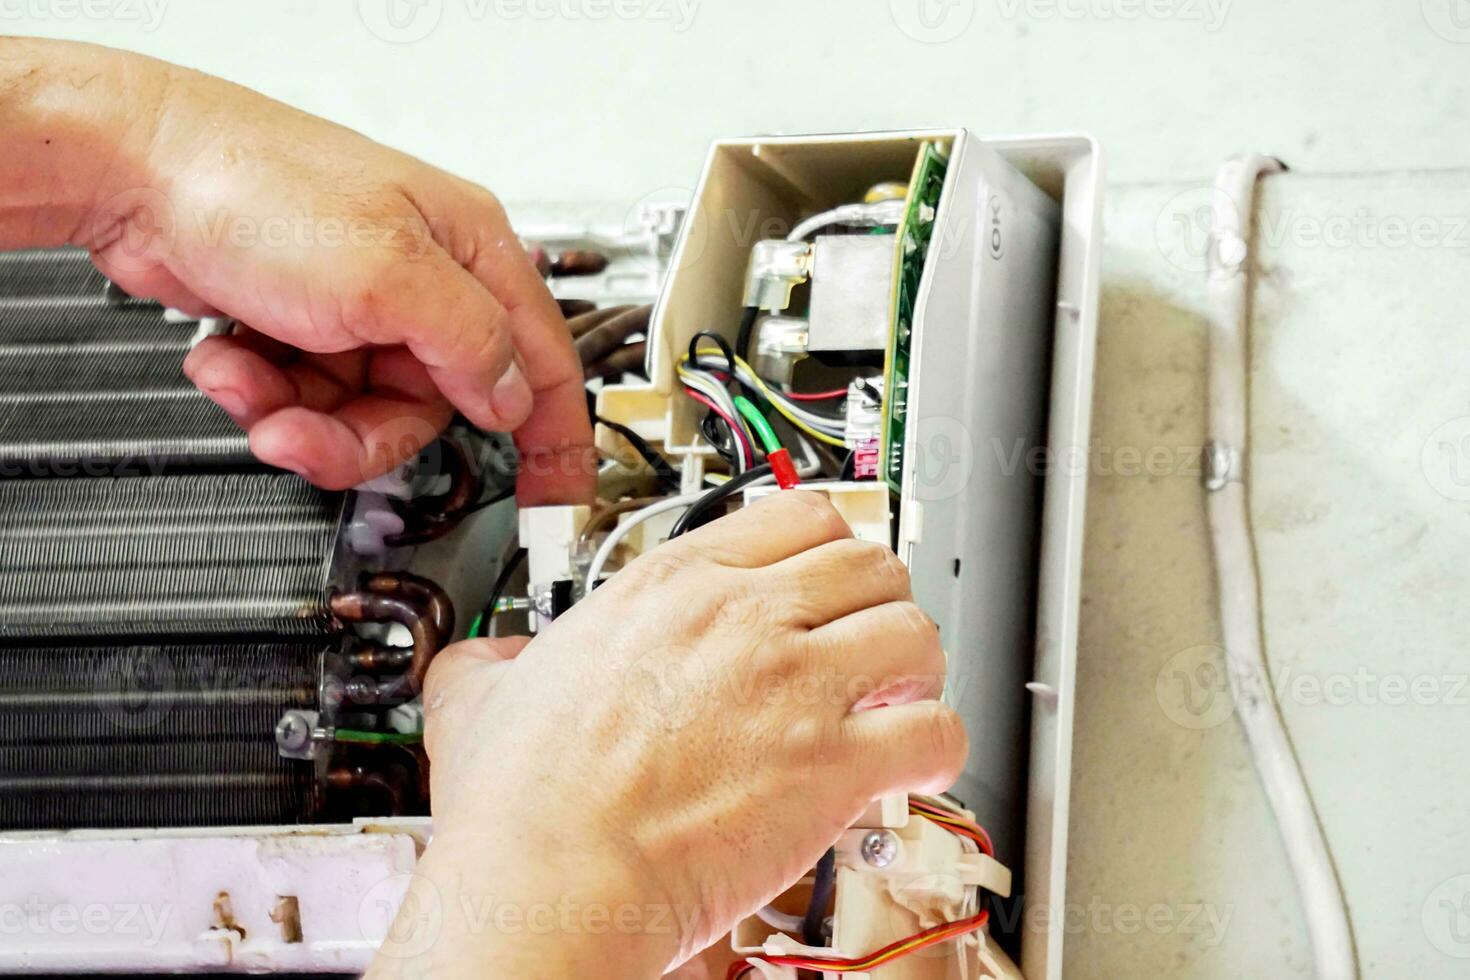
[456, 328]
[840, 577]
[910, 748]
[541, 398]
[772, 529]
[891, 651]
[154, 282]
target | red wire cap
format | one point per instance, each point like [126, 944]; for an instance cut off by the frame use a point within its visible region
[783, 468]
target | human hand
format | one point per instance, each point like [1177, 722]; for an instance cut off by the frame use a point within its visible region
[378, 293]
[685, 738]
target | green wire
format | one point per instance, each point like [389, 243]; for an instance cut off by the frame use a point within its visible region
[758, 422]
[353, 735]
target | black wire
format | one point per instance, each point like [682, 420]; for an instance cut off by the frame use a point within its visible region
[824, 882]
[747, 327]
[501, 581]
[701, 511]
[849, 467]
[666, 474]
[720, 342]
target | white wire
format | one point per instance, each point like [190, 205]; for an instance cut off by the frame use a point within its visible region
[1323, 904]
[778, 920]
[616, 535]
[874, 215]
[709, 386]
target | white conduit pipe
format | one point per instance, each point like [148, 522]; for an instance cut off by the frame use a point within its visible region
[1238, 579]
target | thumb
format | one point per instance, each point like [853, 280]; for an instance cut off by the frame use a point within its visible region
[461, 677]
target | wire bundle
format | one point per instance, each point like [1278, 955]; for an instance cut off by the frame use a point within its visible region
[930, 809]
[698, 374]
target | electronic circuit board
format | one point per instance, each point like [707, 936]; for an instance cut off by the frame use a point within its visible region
[914, 233]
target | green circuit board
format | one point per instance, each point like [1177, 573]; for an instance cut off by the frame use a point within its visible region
[914, 233]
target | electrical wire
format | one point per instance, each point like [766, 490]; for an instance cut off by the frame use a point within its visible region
[932, 936]
[823, 428]
[667, 475]
[815, 396]
[618, 533]
[507, 569]
[758, 424]
[353, 736]
[701, 509]
[824, 883]
[871, 215]
[930, 808]
[1228, 510]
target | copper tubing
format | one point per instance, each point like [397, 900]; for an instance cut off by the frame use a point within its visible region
[430, 518]
[578, 262]
[374, 607]
[585, 323]
[627, 358]
[571, 308]
[612, 333]
[607, 516]
[420, 590]
[379, 659]
[360, 777]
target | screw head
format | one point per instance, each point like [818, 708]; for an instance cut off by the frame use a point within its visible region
[293, 732]
[880, 848]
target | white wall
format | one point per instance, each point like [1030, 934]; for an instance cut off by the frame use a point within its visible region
[569, 101]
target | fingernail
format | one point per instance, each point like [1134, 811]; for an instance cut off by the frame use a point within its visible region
[230, 400]
[511, 396]
[295, 466]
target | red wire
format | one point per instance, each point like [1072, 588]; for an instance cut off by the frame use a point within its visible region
[734, 426]
[816, 396]
[936, 934]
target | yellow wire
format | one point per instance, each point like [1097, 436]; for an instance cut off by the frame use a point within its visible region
[771, 397]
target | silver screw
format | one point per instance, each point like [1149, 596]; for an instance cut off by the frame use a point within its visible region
[293, 732]
[880, 848]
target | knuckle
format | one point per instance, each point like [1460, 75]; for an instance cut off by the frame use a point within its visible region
[653, 570]
[750, 612]
[817, 510]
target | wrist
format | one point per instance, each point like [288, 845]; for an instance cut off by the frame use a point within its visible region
[80, 123]
[527, 903]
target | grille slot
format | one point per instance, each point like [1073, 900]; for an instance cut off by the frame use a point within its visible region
[207, 555]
